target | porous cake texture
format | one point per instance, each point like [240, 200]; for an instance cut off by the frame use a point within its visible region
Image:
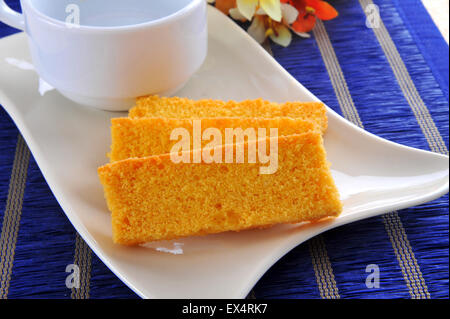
[143, 137]
[153, 198]
[183, 108]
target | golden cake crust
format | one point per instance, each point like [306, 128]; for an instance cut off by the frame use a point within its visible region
[141, 137]
[153, 198]
[176, 107]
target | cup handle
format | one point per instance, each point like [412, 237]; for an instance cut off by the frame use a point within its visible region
[11, 17]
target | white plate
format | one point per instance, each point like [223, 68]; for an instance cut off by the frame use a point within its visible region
[69, 142]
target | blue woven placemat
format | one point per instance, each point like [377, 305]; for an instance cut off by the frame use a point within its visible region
[392, 80]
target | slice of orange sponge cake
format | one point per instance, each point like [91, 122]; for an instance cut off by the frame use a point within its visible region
[143, 137]
[176, 107]
[155, 198]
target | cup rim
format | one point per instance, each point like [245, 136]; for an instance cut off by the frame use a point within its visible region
[130, 27]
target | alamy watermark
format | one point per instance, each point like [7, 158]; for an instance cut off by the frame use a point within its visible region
[73, 279]
[257, 149]
[373, 279]
[373, 20]
[73, 16]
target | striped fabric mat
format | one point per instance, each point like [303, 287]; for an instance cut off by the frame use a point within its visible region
[391, 80]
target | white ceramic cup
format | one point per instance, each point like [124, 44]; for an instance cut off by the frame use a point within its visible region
[105, 53]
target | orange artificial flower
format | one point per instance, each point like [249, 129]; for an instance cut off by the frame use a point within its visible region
[308, 11]
[225, 5]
